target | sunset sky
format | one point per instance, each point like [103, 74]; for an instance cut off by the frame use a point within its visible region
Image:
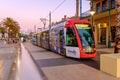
[28, 12]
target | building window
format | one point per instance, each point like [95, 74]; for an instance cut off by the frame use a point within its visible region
[104, 5]
[98, 8]
[112, 3]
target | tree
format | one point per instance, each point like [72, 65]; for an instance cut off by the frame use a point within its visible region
[2, 30]
[12, 27]
[117, 35]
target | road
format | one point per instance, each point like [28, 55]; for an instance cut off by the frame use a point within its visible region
[58, 67]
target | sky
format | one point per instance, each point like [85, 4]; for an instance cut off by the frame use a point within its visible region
[28, 12]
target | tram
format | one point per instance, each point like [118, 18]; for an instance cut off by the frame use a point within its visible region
[72, 38]
[44, 39]
[34, 39]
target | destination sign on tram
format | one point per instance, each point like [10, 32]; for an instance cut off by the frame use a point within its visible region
[78, 25]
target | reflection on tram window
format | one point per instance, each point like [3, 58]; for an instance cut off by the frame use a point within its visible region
[86, 37]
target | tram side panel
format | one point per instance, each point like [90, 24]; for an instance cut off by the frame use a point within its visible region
[57, 38]
[44, 40]
[38, 40]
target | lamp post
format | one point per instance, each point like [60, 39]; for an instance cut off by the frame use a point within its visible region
[109, 43]
[80, 9]
[92, 13]
[43, 20]
[7, 36]
[49, 19]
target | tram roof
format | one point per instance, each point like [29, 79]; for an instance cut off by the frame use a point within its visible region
[70, 21]
[45, 29]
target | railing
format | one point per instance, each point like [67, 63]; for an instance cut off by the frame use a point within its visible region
[104, 8]
[112, 3]
[85, 14]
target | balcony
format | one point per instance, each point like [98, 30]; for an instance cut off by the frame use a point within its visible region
[85, 14]
[104, 9]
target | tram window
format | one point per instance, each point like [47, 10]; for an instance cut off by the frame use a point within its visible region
[70, 37]
[86, 37]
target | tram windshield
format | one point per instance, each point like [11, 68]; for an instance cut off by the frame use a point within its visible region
[86, 35]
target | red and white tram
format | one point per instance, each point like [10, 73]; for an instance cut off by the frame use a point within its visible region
[72, 38]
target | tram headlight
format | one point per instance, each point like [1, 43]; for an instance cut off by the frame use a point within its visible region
[89, 50]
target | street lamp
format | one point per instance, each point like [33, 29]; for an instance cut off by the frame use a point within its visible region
[43, 20]
[92, 13]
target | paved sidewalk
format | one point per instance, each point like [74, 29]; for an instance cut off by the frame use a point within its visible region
[57, 67]
[105, 49]
[102, 49]
[7, 56]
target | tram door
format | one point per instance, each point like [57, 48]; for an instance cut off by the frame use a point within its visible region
[72, 49]
[61, 39]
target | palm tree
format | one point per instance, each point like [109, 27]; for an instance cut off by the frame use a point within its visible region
[12, 27]
[117, 36]
[2, 30]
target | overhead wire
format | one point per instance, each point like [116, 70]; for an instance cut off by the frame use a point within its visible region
[57, 7]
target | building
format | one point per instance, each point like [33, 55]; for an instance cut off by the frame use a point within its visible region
[103, 20]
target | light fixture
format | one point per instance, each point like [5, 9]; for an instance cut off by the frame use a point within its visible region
[92, 12]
